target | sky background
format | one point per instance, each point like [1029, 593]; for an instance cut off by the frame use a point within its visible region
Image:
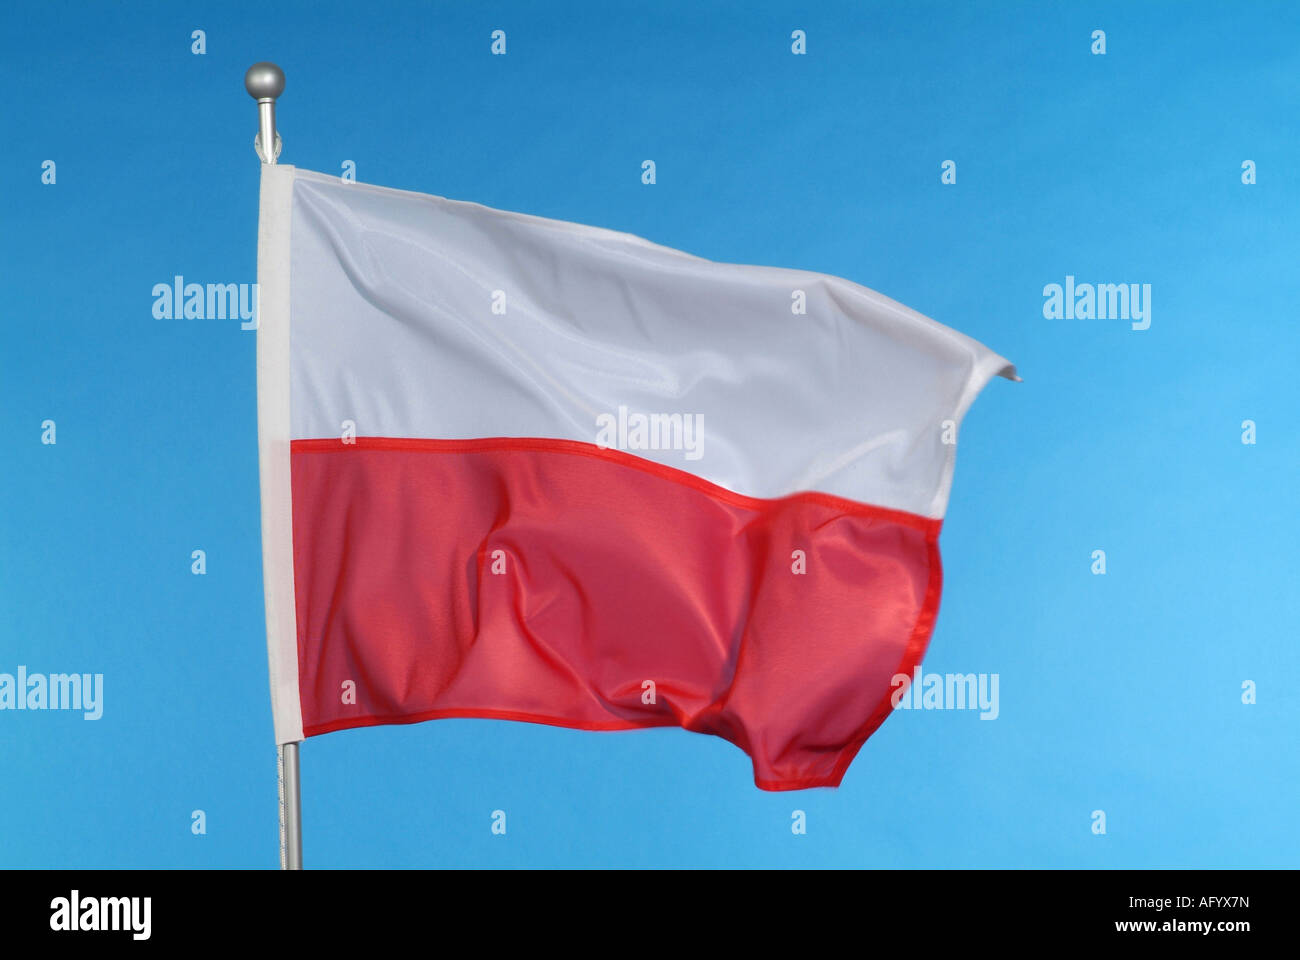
[1120, 692]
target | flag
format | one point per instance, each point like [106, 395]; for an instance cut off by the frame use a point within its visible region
[523, 469]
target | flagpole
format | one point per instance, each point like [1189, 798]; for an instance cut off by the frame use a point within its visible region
[290, 808]
[264, 83]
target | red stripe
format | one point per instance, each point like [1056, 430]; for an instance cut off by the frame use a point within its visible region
[618, 571]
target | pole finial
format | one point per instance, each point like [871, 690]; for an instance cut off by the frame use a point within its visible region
[264, 81]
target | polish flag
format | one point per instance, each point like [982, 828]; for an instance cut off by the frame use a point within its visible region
[524, 469]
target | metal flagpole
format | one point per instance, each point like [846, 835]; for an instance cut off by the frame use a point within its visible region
[264, 82]
[290, 809]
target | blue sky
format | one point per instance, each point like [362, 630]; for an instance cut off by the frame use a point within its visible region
[1120, 693]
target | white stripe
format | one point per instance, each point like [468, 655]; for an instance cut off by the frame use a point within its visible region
[273, 449]
[393, 329]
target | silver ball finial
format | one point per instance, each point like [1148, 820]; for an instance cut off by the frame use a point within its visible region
[264, 81]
